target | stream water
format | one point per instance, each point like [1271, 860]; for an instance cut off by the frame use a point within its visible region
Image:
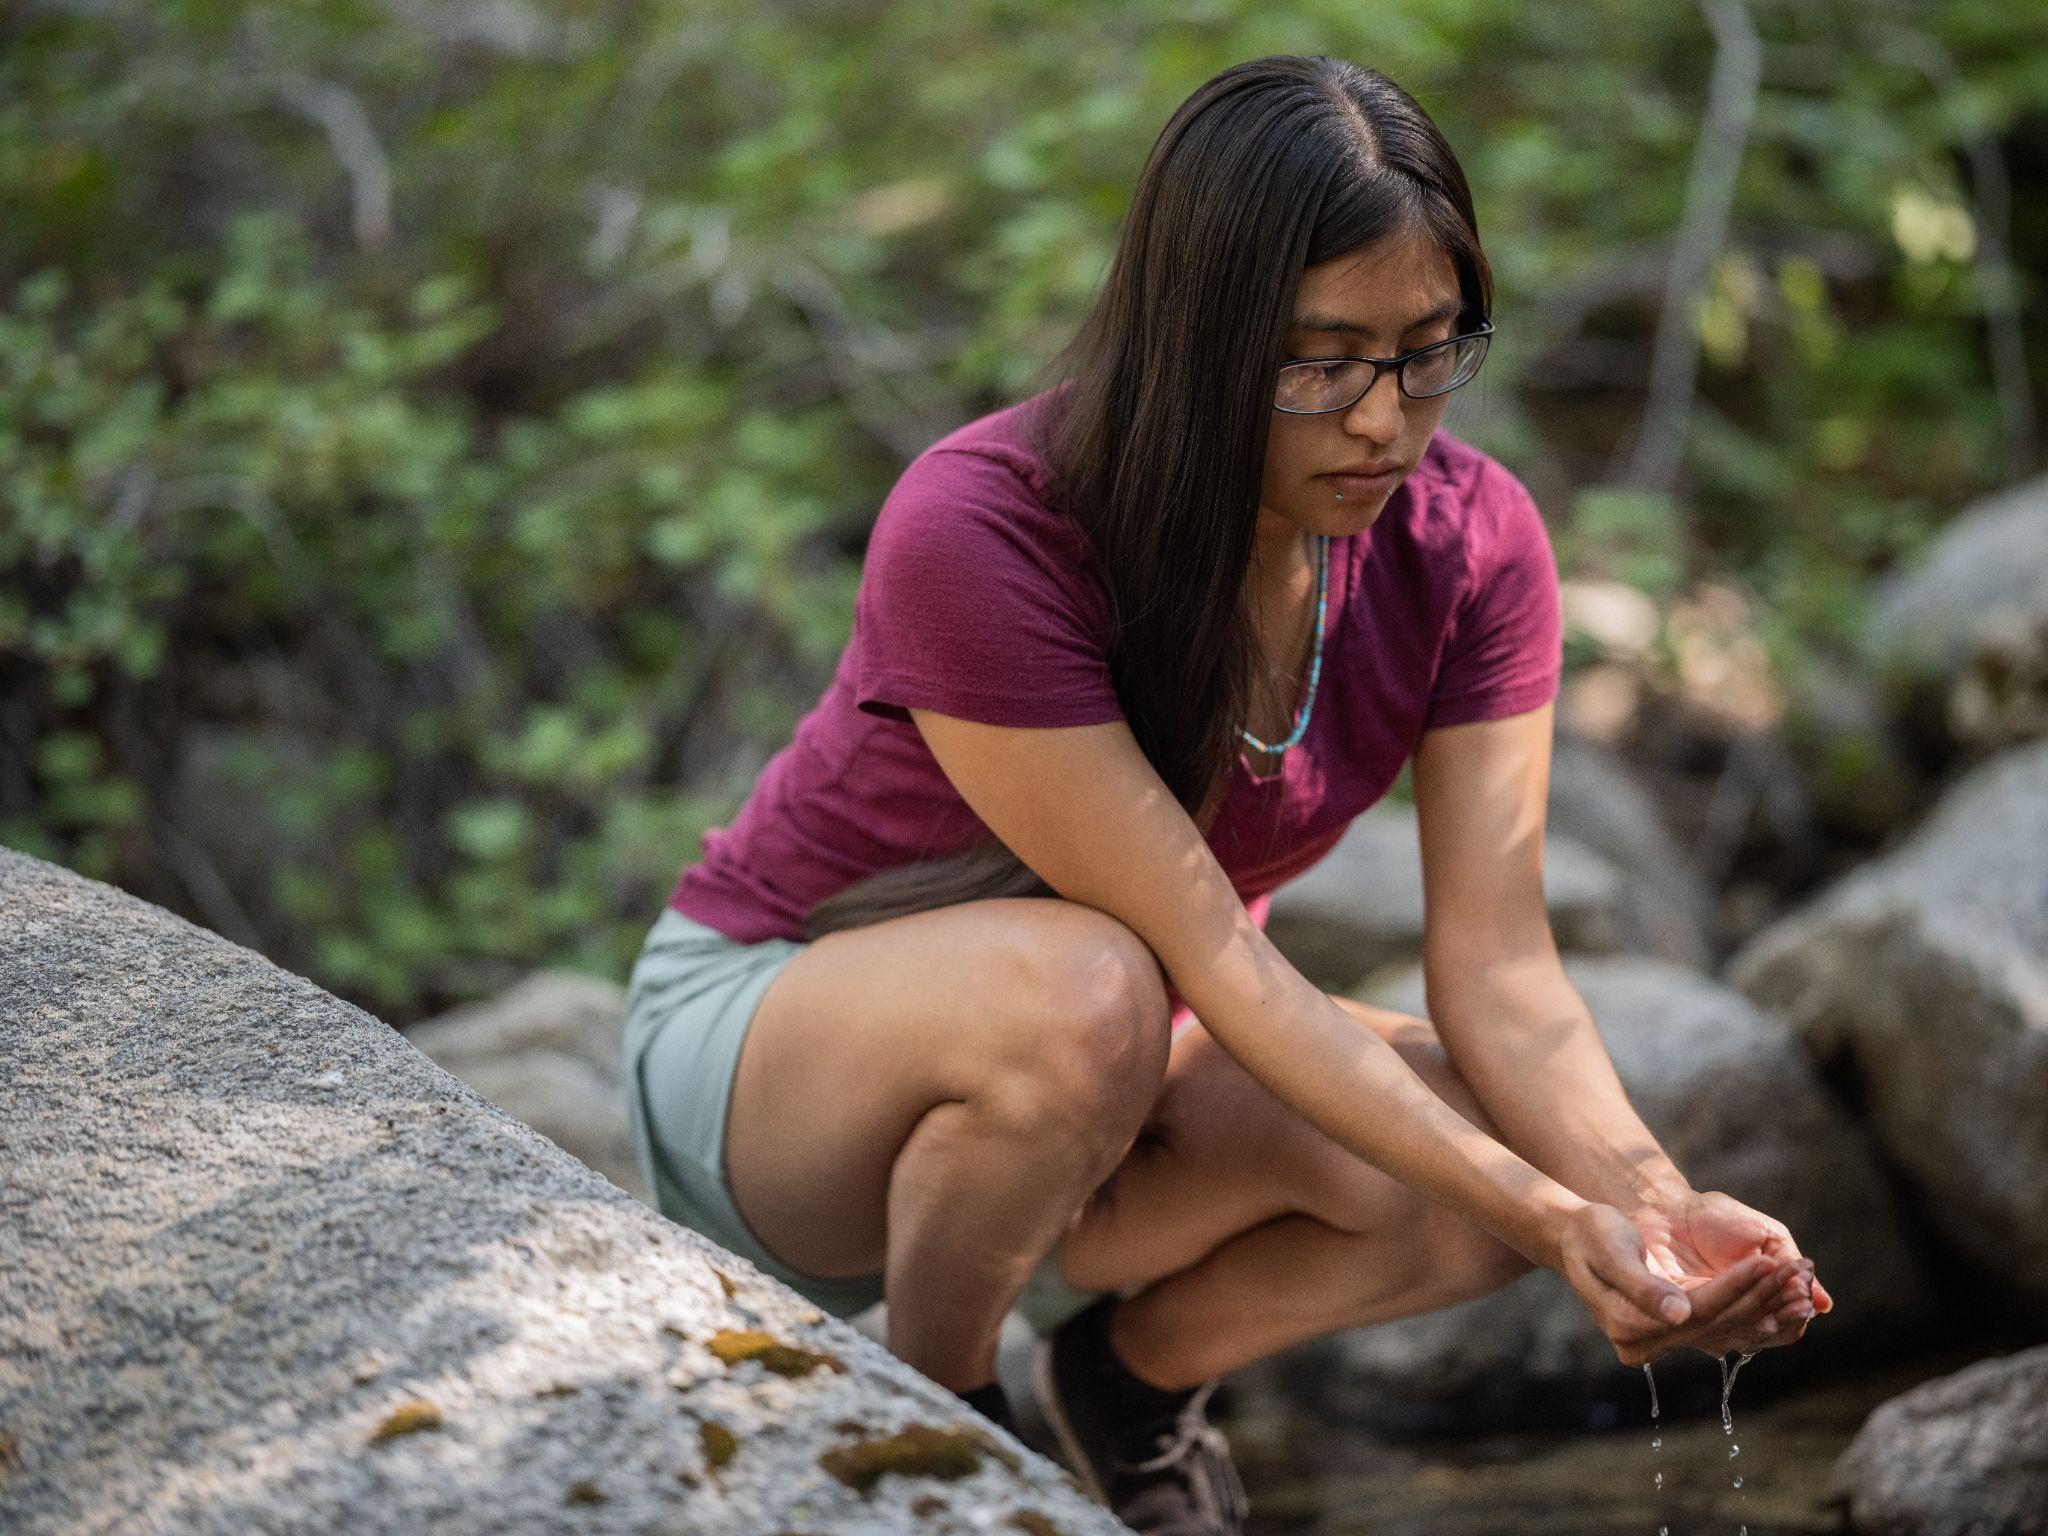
[1312, 1474]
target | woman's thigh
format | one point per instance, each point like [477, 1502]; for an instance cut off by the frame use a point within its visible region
[866, 1029]
[1221, 1153]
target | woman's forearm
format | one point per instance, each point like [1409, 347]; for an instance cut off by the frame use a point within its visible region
[1354, 1087]
[1524, 1041]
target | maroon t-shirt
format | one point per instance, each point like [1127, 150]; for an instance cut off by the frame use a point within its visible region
[978, 600]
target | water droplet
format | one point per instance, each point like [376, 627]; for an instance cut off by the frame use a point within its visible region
[1660, 1479]
[1727, 1386]
[1656, 1442]
[1738, 1482]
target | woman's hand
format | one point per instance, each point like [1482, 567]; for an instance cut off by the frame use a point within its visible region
[1652, 1288]
[1696, 1235]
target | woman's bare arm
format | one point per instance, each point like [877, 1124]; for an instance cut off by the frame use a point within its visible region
[1087, 812]
[1514, 1025]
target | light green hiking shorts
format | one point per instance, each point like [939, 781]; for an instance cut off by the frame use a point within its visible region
[691, 995]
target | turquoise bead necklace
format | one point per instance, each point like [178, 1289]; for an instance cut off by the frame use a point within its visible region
[1315, 670]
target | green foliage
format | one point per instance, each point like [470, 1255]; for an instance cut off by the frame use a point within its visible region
[436, 443]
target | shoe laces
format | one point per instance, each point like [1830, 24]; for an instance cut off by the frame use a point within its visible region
[1193, 1440]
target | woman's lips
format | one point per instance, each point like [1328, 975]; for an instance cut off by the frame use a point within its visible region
[1365, 485]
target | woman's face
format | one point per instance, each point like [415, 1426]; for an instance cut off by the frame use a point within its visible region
[1384, 300]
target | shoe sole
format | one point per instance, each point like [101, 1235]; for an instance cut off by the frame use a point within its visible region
[1055, 1415]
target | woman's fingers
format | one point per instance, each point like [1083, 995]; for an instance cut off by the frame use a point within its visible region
[1743, 1314]
[1743, 1323]
[1621, 1261]
[1712, 1299]
[1788, 1311]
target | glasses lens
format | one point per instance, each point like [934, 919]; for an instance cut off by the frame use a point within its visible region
[1444, 368]
[1320, 386]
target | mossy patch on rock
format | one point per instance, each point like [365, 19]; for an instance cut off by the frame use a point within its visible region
[584, 1491]
[732, 1345]
[719, 1442]
[916, 1450]
[1035, 1522]
[408, 1418]
[931, 1504]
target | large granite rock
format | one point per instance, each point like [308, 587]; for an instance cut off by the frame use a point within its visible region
[1921, 982]
[1730, 1096]
[1966, 624]
[265, 1267]
[1613, 880]
[1966, 1455]
[548, 1052]
[1597, 802]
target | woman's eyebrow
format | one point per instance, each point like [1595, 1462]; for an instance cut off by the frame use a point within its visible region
[1320, 322]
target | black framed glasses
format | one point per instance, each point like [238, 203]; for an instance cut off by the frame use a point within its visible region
[1311, 386]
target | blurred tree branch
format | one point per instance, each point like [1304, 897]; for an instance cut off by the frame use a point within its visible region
[1702, 231]
[1991, 203]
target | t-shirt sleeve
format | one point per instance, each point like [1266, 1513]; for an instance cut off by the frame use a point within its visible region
[1505, 652]
[976, 601]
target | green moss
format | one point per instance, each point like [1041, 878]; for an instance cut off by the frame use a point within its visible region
[719, 1442]
[1034, 1522]
[408, 1418]
[584, 1491]
[916, 1450]
[732, 1345]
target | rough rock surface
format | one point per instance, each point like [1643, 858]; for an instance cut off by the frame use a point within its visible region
[548, 1053]
[1968, 621]
[1731, 1097]
[1921, 980]
[1360, 910]
[265, 1267]
[1597, 802]
[1966, 1455]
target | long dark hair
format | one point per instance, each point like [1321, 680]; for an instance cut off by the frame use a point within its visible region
[1157, 443]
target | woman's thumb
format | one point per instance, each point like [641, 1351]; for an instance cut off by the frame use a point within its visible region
[1657, 1298]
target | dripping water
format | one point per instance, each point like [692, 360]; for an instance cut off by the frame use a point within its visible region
[1728, 1373]
[1656, 1437]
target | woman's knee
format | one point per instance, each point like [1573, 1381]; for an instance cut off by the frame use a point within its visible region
[1092, 1049]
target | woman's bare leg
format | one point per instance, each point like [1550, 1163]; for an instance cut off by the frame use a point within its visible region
[934, 1097]
[1256, 1232]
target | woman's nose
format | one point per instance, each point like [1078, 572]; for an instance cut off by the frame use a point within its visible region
[1377, 412]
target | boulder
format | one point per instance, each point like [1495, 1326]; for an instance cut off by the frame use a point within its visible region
[1966, 1455]
[265, 1267]
[1965, 625]
[1616, 886]
[1597, 802]
[548, 1052]
[1730, 1096]
[1920, 984]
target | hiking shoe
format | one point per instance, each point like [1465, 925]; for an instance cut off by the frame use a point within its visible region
[1162, 1474]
